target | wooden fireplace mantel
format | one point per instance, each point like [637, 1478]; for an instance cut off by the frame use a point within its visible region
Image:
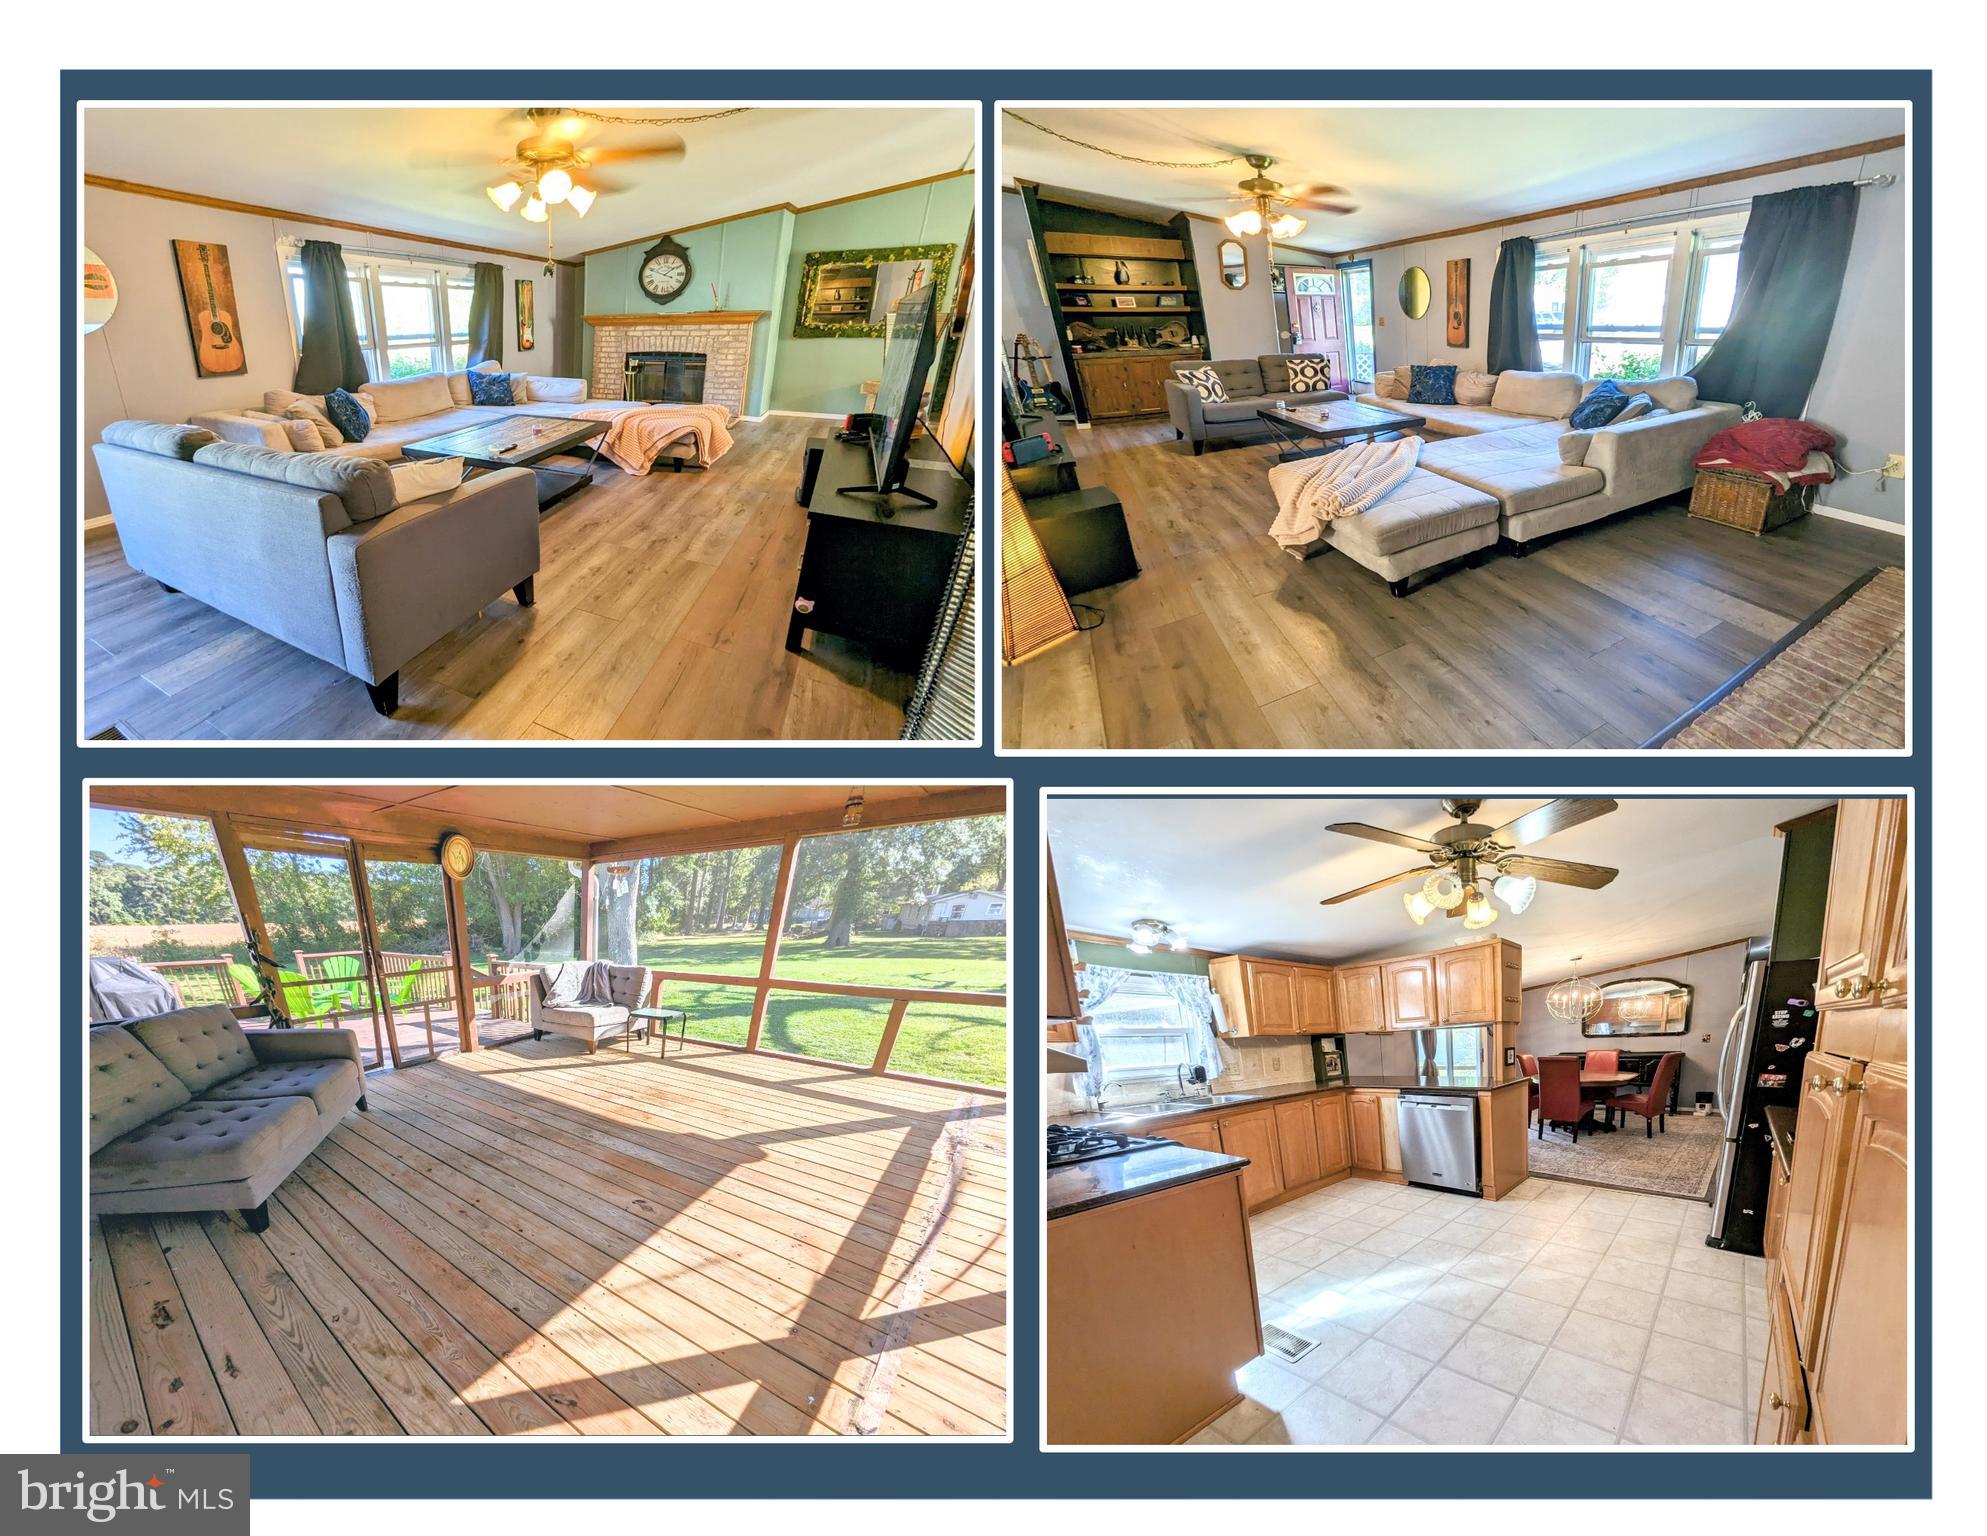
[682, 317]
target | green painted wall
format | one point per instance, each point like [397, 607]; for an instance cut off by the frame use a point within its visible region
[1118, 956]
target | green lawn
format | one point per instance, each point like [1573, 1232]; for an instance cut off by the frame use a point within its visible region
[954, 1041]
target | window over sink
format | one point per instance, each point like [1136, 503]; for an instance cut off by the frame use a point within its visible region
[1142, 1033]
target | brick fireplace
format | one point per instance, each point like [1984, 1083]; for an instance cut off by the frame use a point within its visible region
[723, 336]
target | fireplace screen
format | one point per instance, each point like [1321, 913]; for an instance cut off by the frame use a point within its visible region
[673, 378]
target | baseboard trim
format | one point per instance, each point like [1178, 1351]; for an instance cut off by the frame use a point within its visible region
[1861, 519]
[810, 415]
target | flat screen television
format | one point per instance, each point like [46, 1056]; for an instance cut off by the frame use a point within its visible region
[907, 359]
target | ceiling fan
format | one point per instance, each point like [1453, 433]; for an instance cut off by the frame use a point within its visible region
[1264, 197]
[1471, 861]
[548, 161]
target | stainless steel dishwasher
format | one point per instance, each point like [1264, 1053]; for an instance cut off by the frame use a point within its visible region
[1438, 1141]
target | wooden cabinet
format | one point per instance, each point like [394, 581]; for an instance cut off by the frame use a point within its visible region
[1253, 1135]
[1317, 1013]
[1297, 1144]
[1127, 386]
[1859, 1357]
[1358, 999]
[1813, 1192]
[1778, 1178]
[1863, 877]
[1479, 984]
[1363, 1117]
[1410, 987]
[1061, 1003]
[1272, 997]
[1390, 1133]
[1782, 1415]
[1205, 1136]
[1334, 1147]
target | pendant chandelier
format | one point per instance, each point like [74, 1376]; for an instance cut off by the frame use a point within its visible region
[1574, 1000]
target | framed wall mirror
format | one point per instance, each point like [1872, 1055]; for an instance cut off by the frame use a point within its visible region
[1641, 1005]
[1234, 264]
[1414, 293]
[854, 293]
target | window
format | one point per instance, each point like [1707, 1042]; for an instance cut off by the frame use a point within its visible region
[1549, 306]
[1624, 294]
[1713, 286]
[160, 896]
[1141, 1033]
[422, 312]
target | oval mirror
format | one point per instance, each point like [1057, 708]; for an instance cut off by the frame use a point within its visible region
[99, 292]
[1234, 264]
[1414, 293]
[1641, 1005]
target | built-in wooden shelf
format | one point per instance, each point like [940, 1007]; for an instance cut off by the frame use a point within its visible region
[1122, 309]
[1127, 287]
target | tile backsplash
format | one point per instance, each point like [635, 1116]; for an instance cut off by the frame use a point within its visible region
[1264, 1063]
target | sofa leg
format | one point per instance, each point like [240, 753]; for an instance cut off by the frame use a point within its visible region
[385, 693]
[538, 1034]
[1398, 588]
[1179, 436]
[164, 588]
[592, 1046]
[1519, 549]
[257, 1217]
[364, 1107]
[1197, 448]
[526, 592]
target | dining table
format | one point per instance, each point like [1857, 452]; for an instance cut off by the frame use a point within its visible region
[1607, 1080]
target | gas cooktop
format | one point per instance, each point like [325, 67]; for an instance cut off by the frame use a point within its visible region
[1073, 1144]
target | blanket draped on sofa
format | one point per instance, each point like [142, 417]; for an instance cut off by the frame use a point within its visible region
[635, 438]
[1313, 492]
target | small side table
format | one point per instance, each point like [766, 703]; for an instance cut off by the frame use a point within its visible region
[654, 1019]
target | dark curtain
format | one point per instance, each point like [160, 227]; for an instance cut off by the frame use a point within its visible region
[568, 327]
[330, 356]
[1790, 276]
[486, 314]
[1514, 326]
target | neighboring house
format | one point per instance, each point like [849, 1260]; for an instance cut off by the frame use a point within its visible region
[955, 914]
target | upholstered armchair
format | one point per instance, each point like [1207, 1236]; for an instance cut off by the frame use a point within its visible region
[590, 1023]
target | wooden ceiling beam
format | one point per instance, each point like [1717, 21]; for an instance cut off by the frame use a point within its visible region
[941, 804]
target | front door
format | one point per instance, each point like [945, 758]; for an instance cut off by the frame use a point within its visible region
[1356, 305]
[1316, 327]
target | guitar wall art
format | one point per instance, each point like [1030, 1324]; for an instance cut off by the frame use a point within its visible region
[208, 287]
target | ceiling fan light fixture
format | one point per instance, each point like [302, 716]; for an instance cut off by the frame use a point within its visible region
[504, 194]
[1285, 226]
[1419, 907]
[579, 199]
[1515, 891]
[1245, 221]
[553, 185]
[1478, 912]
[534, 209]
[1443, 889]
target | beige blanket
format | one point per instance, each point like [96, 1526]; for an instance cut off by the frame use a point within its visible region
[635, 439]
[1313, 492]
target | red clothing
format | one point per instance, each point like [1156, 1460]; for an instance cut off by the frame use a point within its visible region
[1773, 448]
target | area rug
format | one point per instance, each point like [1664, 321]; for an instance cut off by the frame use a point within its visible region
[1680, 1162]
[1835, 682]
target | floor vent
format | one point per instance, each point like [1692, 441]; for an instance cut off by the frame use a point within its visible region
[1289, 1346]
[109, 733]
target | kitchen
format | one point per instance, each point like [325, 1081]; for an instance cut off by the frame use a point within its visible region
[1302, 1188]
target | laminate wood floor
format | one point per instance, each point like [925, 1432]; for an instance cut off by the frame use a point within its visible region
[1596, 640]
[661, 615]
[537, 1241]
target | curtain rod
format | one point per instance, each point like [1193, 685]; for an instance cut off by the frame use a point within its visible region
[297, 241]
[1676, 214]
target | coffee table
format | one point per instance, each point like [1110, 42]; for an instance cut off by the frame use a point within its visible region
[521, 442]
[1329, 424]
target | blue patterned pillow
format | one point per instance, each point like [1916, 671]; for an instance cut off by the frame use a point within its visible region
[1432, 384]
[491, 389]
[347, 415]
[1599, 408]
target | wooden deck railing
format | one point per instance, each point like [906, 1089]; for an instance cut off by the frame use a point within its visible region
[202, 981]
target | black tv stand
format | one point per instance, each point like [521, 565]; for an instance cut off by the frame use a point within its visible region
[883, 497]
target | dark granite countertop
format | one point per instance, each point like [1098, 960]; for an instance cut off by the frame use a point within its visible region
[1148, 1118]
[1106, 1180]
[1780, 1133]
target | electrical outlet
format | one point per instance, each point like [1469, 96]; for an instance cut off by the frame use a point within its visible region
[1893, 467]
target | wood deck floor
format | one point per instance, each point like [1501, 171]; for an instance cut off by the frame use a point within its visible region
[661, 615]
[1597, 640]
[537, 1241]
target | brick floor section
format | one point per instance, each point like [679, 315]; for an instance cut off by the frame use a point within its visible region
[1840, 685]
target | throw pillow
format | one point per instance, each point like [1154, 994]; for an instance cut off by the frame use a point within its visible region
[351, 418]
[1205, 382]
[1601, 406]
[563, 390]
[521, 391]
[416, 478]
[1387, 387]
[1638, 405]
[1309, 374]
[1473, 388]
[303, 434]
[491, 389]
[1573, 447]
[1433, 385]
[317, 416]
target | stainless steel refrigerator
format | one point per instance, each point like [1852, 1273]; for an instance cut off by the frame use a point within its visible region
[1759, 1064]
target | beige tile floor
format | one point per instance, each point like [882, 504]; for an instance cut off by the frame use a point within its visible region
[1560, 1315]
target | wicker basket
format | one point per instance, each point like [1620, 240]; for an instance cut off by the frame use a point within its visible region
[1746, 501]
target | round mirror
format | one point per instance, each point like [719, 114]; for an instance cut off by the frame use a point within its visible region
[1414, 293]
[99, 292]
[1234, 264]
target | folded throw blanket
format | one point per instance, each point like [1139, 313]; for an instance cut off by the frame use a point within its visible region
[1776, 448]
[635, 439]
[579, 984]
[1313, 492]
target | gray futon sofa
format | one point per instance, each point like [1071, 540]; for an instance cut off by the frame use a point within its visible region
[190, 1112]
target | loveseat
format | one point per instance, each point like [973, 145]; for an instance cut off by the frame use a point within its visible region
[190, 1112]
[590, 1023]
[1250, 384]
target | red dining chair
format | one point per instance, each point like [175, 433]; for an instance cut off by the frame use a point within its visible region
[1529, 1065]
[1653, 1103]
[1603, 1061]
[1562, 1100]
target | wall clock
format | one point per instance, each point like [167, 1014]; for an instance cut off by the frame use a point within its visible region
[458, 856]
[664, 271]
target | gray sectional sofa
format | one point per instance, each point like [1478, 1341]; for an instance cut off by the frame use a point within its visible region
[190, 1112]
[1251, 383]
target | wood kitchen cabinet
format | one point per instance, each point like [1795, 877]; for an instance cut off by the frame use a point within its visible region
[1359, 1002]
[1863, 880]
[1334, 1145]
[1390, 1133]
[1272, 997]
[1782, 1416]
[1410, 989]
[1317, 1013]
[1297, 1144]
[1127, 386]
[1253, 1135]
[1479, 984]
[1814, 1190]
[1374, 1119]
[1204, 1137]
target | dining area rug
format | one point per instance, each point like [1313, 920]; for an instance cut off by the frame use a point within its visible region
[1680, 1162]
